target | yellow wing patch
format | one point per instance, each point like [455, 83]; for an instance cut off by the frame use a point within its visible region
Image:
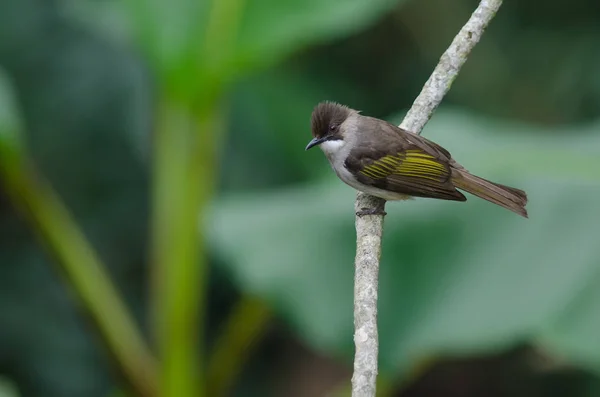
[411, 163]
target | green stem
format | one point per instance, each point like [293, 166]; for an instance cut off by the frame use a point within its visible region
[184, 181]
[184, 172]
[221, 30]
[82, 267]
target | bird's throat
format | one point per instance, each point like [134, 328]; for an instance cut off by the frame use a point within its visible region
[331, 148]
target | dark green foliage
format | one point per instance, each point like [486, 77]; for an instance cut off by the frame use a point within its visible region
[456, 279]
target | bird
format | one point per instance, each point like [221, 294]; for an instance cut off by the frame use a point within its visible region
[383, 160]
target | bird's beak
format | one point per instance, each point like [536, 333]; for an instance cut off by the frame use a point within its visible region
[315, 142]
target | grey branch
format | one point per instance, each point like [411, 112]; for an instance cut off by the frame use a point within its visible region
[369, 228]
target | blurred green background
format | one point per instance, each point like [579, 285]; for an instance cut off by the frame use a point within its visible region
[142, 114]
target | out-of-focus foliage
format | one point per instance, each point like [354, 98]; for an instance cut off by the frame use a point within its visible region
[7, 388]
[456, 279]
[268, 29]
[9, 115]
[79, 99]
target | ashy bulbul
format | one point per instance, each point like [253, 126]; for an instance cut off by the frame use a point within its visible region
[383, 160]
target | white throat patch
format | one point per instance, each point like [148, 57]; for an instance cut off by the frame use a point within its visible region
[330, 148]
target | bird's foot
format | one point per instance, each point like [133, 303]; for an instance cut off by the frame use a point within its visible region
[371, 211]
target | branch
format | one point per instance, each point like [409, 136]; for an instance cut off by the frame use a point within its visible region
[369, 228]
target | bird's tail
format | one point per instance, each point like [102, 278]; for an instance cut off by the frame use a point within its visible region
[504, 196]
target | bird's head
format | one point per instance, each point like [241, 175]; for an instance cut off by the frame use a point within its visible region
[327, 117]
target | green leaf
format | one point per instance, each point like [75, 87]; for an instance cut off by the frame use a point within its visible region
[456, 278]
[245, 34]
[272, 29]
[167, 31]
[170, 34]
[574, 334]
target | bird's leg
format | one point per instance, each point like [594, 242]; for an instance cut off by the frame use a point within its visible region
[371, 211]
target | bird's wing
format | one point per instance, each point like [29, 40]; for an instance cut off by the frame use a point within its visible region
[407, 164]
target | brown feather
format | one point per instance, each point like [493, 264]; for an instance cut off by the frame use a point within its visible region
[504, 196]
[325, 115]
[386, 139]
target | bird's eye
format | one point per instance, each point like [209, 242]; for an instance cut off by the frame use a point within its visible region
[332, 127]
